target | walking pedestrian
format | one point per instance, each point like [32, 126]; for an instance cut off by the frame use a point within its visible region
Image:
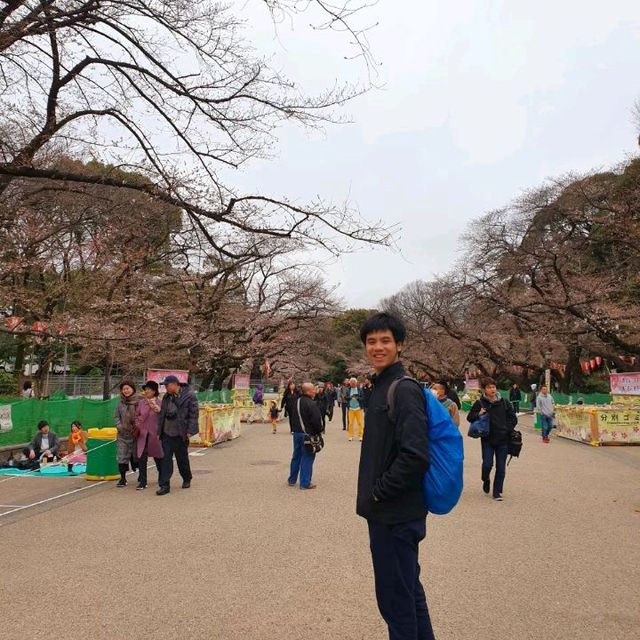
[502, 421]
[439, 389]
[515, 396]
[545, 406]
[356, 412]
[289, 393]
[393, 461]
[332, 398]
[148, 442]
[178, 421]
[126, 424]
[321, 400]
[343, 396]
[304, 418]
[273, 416]
[365, 393]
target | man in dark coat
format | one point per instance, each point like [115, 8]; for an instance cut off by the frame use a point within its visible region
[393, 461]
[177, 422]
[45, 444]
[502, 421]
[304, 418]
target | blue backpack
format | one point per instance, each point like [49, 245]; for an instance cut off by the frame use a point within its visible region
[443, 482]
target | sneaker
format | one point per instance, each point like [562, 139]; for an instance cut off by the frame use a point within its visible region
[350, 439]
[186, 484]
[545, 440]
[360, 439]
[141, 486]
[486, 486]
[311, 486]
[121, 483]
[498, 498]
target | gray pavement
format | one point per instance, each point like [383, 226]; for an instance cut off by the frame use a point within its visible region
[242, 555]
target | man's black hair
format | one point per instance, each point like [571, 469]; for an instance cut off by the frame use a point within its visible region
[383, 322]
[41, 424]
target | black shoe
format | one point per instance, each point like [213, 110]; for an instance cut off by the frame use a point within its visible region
[121, 483]
[186, 484]
[497, 498]
[162, 491]
[141, 486]
[486, 486]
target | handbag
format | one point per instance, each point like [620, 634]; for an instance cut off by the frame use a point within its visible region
[313, 444]
[480, 427]
[514, 445]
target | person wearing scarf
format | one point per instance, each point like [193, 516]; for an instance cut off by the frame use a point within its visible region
[76, 446]
[127, 431]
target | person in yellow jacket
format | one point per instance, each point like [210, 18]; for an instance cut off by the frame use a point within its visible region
[356, 409]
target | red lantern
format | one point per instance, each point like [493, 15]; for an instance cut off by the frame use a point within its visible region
[40, 327]
[13, 322]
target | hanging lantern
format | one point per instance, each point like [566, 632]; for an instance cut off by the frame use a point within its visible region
[13, 322]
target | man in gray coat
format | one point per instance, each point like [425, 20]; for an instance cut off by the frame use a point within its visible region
[177, 422]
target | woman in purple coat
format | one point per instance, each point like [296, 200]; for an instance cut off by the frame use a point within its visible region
[148, 443]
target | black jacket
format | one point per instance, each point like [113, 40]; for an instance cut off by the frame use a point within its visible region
[188, 411]
[394, 455]
[502, 419]
[453, 396]
[321, 400]
[310, 413]
[365, 396]
[515, 395]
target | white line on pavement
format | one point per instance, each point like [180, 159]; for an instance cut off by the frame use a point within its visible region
[62, 495]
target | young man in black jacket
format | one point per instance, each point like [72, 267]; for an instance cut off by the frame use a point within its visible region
[502, 421]
[393, 461]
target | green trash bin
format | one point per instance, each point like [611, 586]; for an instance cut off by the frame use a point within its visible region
[102, 463]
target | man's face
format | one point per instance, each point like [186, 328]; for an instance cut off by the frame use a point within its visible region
[173, 387]
[544, 391]
[309, 390]
[353, 383]
[382, 349]
[491, 390]
[346, 382]
[439, 390]
[45, 429]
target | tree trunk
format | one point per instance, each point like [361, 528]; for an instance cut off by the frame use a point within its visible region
[108, 365]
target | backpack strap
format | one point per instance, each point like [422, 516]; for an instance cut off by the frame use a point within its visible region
[391, 395]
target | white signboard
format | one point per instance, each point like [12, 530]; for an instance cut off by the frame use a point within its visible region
[5, 417]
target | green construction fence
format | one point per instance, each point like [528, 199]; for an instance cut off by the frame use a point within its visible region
[25, 414]
[559, 398]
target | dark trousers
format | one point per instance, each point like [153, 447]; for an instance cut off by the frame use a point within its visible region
[345, 411]
[400, 595]
[516, 405]
[174, 445]
[301, 462]
[330, 412]
[500, 452]
[142, 467]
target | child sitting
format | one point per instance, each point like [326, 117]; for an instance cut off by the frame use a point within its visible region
[76, 446]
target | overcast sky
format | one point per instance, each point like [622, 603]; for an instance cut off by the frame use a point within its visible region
[481, 100]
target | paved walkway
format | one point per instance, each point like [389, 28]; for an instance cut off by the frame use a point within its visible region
[242, 556]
